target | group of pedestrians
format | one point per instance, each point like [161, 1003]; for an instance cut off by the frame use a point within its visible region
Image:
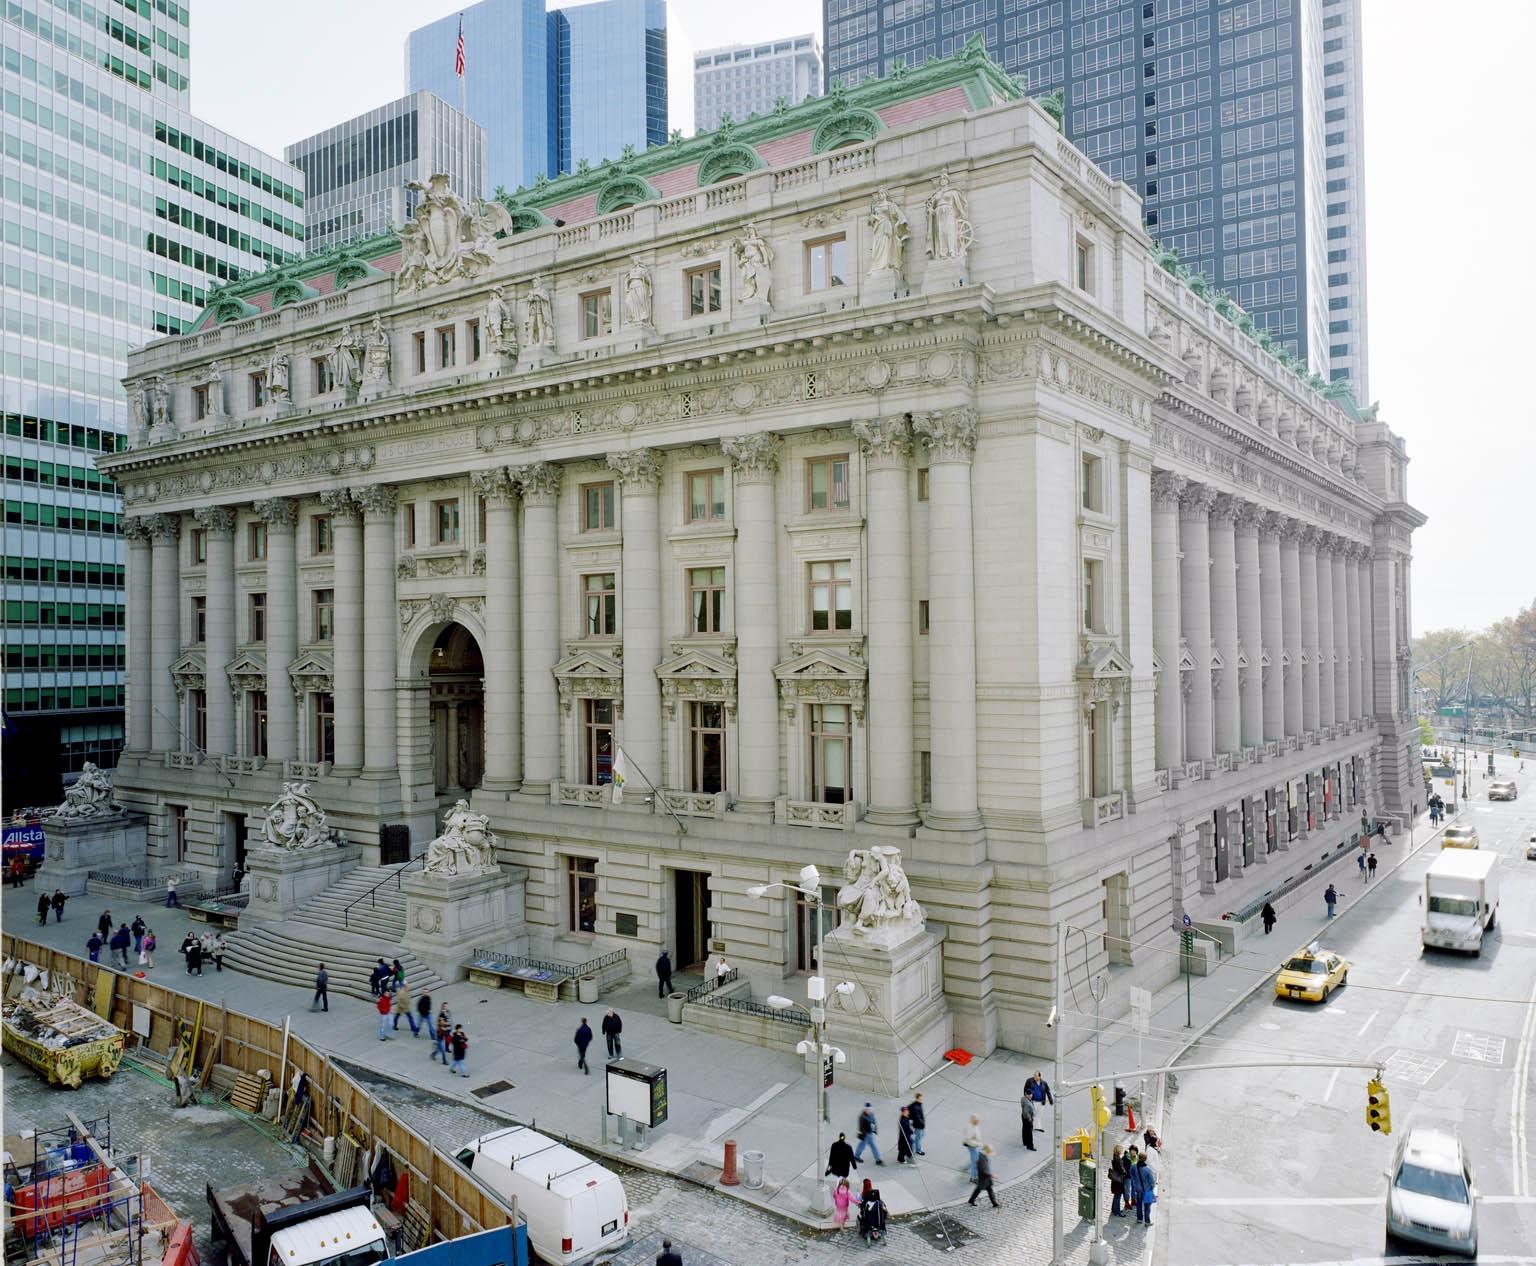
[613, 1031]
[55, 903]
[392, 999]
[135, 940]
[1132, 1183]
[210, 947]
[1367, 863]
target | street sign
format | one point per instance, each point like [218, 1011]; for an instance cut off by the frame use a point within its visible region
[826, 1072]
[1188, 922]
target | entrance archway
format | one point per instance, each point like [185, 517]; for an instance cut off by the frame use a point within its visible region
[456, 704]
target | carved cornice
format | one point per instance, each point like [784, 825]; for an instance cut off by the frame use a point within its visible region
[539, 482]
[215, 520]
[281, 513]
[339, 503]
[950, 434]
[755, 457]
[376, 500]
[638, 469]
[884, 441]
[1167, 489]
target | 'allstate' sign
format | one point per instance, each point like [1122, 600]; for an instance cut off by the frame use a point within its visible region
[24, 840]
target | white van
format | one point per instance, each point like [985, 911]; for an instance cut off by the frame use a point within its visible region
[574, 1207]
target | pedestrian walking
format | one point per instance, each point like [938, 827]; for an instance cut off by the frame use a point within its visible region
[376, 977]
[612, 1028]
[93, 946]
[459, 1044]
[984, 1176]
[44, 904]
[1027, 1121]
[1381, 829]
[442, 1036]
[842, 1199]
[18, 872]
[398, 973]
[1146, 1190]
[840, 1158]
[322, 1000]
[137, 927]
[1117, 1172]
[104, 924]
[1269, 916]
[868, 1128]
[59, 898]
[1370, 865]
[1360, 859]
[172, 901]
[1365, 824]
[400, 1003]
[919, 1115]
[583, 1040]
[668, 1256]
[1331, 899]
[423, 1013]
[871, 1214]
[382, 1006]
[121, 939]
[663, 974]
[904, 1148]
[971, 1140]
[220, 947]
[147, 954]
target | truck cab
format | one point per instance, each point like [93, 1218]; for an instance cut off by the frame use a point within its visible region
[352, 1237]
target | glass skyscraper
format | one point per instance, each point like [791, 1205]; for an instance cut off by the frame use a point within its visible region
[1238, 121]
[355, 174]
[551, 88]
[120, 211]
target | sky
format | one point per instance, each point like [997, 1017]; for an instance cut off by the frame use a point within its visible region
[1450, 136]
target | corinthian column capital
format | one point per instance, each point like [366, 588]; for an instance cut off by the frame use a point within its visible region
[215, 520]
[495, 486]
[136, 527]
[1223, 508]
[281, 513]
[755, 457]
[885, 441]
[376, 499]
[1195, 502]
[164, 527]
[1167, 488]
[638, 469]
[539, 482]
[949, 433]
[339, 504]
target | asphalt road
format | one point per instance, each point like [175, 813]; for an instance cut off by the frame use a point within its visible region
[1270, 1166]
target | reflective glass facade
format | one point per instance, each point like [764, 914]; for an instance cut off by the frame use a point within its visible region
[1215, 111]
[120, 210]
[355, 174]
[550, 88]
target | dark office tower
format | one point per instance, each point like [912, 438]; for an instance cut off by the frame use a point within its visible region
[1238, 122]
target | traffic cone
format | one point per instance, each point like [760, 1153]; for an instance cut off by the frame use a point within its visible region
[1130, 1119]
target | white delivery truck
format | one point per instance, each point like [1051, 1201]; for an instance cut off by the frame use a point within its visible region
[574, 1208]
[1461, 899]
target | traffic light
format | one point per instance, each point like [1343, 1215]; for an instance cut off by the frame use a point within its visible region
[1100, 1109]
[1378, 1107]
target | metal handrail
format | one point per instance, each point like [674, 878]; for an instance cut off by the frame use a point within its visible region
[371, 895]
[789, 1015]
[710, 985]
[492, 960]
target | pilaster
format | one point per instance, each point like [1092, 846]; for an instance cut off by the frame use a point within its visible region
[165, 630]
[138, 585]
[219, 645]
[281, 515]
[539, 484]
[639, 472]
[347, 627]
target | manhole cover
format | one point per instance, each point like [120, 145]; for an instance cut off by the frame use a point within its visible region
[495, 1088]
[945, 1233]
[1483, 1047]
[1412, 1067]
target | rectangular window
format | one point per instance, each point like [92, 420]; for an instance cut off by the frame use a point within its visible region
[256, 722]
[706, 496]
[925, 778]
[922, 616]
[199, 544]
[408, 514]
[256, 540]
[324, 375]
[200, 402]
[258, 618]
[446, 347]
[1097, 739]
[831, 589]
[324, 611]
[597, 507]
[480, 518]
[596, 313]
[922, 484]
[197, 702]
[419, 352]
[178, 831]
[601, 597]
[323, 727]
[258, 388]
[1083, 266]
[706, 745]
[320, 534]
[706, 598]
[445, 522]
[703, 289]
[826, 483]
[826, 262]
[199, 620]
[1093, 483]
[831, 780]
[581, 891]
[1093, 595]
[597, 730]
[472, 341]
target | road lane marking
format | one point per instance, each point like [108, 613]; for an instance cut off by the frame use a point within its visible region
[1418, 1259]
[1369, 1020]
[1522, 1164]
[1287, 1202]
[1332, 1082]
[1403, 977]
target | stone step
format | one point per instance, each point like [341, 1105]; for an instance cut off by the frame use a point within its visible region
[290, 953]
[365, 901]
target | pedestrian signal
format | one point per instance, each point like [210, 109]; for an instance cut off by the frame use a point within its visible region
[1378, 1107]
[1100, 1110]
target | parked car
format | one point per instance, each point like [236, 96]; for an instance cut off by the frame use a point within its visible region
[1503, 789]
[1431, 1199]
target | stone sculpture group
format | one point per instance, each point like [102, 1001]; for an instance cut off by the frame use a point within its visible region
[294, 821]
[465, 848]
[876, 900]
[90, 796]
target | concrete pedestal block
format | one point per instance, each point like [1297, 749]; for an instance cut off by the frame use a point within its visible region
[117, 843]
[448, 916]
[284, 880]
[900, 989]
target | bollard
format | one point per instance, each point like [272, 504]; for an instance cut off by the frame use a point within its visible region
[728, 1176]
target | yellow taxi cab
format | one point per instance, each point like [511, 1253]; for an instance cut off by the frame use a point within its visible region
[1311, 975]
[1459, 837]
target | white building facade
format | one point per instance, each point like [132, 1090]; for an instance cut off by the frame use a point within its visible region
[741, 80]
[875, 485]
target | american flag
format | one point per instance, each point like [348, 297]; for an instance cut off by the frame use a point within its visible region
[458, 53]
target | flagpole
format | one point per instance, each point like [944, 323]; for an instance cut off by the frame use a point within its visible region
[656, 794]
[461, 64]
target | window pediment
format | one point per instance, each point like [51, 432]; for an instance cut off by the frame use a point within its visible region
[822, 676]
[311, 671]
[247, 671]
[698, 674]
[188, 672]
[624, 190]
[589, 674]
[727, 161]
[1102, 659]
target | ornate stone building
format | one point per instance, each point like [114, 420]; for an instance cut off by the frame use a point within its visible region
[860, 474]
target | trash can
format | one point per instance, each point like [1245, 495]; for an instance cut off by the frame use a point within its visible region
[675, 1007]
[586, 989]
[752, 1169]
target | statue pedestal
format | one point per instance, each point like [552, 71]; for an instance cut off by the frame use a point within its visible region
[945, 274]
[448, 916]
[749, 315]
[901, 990]
[281, 880]
[114, 842]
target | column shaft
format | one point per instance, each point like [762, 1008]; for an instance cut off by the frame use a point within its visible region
[503, 649]
[1272, 621]
[1166, 487]
[1249, 628]
[1363, 591]
[1224, 623]
[540, 486]
[1325, 629]
[638, 471]
[1195, 592]
[165, 631]
[380, 741]
[1290, 611]
[139, 583]
[281, 514]
[1343, 708]
[348, 622]
[219, 523]
[1307, 600]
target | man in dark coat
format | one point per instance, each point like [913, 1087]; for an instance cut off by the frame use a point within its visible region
[904, 1148]
[668, 1256]
[919, 1116]
[104, 924]
[612, 1027]
[43, 906]
[583, 1040]
[120, 941]
[138, 927]
[322, 1000]
[59, 898]
[840, 1158]
[984, 1176]
[1269, 917]
[663, 975]
[1027, 1119]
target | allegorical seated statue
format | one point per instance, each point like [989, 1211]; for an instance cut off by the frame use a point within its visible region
[877, 899]
[466, 846]
[294, 820]
[90, 796]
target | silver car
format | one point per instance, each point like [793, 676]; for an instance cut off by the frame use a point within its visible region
[1503, 789]
[1431, 1199]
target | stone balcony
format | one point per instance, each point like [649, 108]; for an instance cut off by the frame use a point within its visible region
[697, 804]
[812, 813]
[1102, 810]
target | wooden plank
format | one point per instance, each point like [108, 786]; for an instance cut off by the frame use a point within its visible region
[106, 981]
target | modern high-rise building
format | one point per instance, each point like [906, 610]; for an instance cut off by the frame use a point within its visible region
[552, 88]
[1237, 121]
[121, 210]
[746, 79]
[356, 174]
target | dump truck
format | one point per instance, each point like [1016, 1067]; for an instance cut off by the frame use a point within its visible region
[295, 1219]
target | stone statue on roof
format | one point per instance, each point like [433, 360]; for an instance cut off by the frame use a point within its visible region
[446, 239]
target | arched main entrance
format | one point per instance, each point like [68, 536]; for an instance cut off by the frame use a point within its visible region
[456, 702]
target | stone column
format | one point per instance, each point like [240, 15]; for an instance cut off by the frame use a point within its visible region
[281, 514]
[165, 630]
[951, 438]
[540, 486]
[1325, 644]
[503, 648]
[379, 630]
[1250, 633]
[1306, 603]
[1290, 586]
[1224, 622]
[1363, 593]
[755, 468]
[1272, 620]
[1343, 701]
[639, 472]
[1166, 487]
[219, 523]
[348, 619]
[138, 584]
[887, 446]
[1195, 593]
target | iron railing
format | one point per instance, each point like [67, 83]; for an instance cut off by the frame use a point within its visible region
[710, 985]
[371, 896]
[139, 883]
[495, 960]
[742, 1006]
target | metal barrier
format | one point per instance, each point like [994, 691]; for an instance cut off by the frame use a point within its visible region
[709, 986]
[742, 1006]
[495, 960]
